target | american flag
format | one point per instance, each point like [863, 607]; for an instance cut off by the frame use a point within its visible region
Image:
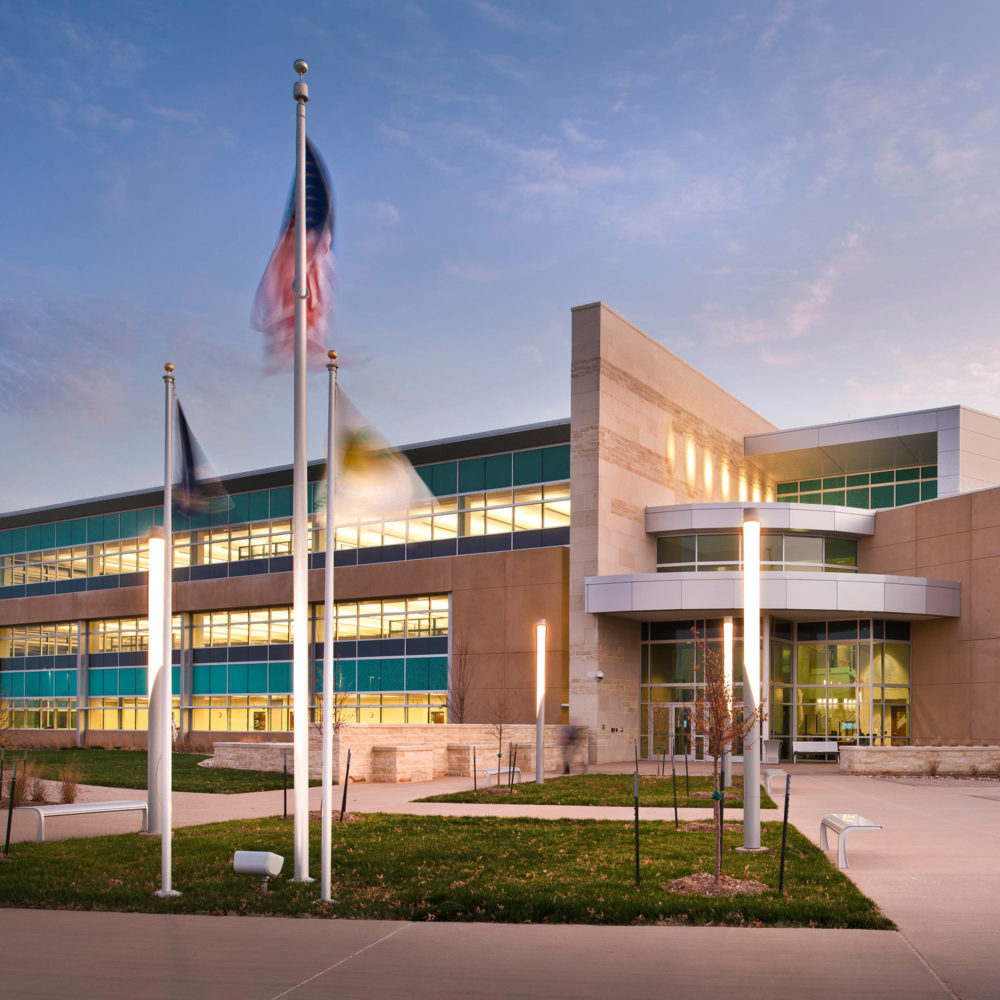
[196, 485]
[274, 306]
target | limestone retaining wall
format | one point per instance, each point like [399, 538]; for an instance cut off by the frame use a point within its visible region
[399, 753]
[956, 761]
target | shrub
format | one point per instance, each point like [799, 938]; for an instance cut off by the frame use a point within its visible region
[69, 782]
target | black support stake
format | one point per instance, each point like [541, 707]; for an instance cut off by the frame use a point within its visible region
[347, 777]
[635, 796]
[10, 808]
[284, 771]
[687, 778]
[784, 833]
[475, 783]
[673, 776]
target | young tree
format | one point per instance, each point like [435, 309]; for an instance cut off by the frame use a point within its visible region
[498, 721]
[716, 718]
[460, 677]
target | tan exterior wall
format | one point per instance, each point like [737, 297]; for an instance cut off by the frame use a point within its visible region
[496, 600]
[646, 429]
[955, 663]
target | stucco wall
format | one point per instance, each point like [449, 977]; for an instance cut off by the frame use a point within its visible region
[955, 663]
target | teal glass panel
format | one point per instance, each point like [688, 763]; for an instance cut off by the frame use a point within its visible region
[786, 489]
[392, 675]
[34, 537]
[810, 485]
[445, 479]
[281, 502]
[318, 676]
[369, 675]
[200, 519]
[219, 511]
[238, 680]
[48, 536]
[907, 493]
[882, 477]
[240, 512]
[497, 471]
[260, 505]
[175, 681]
[181, 522]
[833, 483]
[857, 498]
[928, 491]
[437, 673]
[836, 497]
[257, 678]
[882, 496]
[12, 684]
[929, 472]
[95, 682]
[858, 479]
[158, 516]
[675, 549]
[95, 529]
[218, 677]
[279, 678]
[416, 673]
[31, 684]
[5, 543]
[144, 520]
[471, 475]
[129, 524]
[142, 681]
[555, 463]
[112, 527]
[65, 683]
[528, 467]
[17, 540]
[126, 682]
[346, 673]
[811, 498]
[426, 473]
[201, 679]
[904, 475]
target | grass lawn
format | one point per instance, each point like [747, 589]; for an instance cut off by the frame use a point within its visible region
[127, 769]
[446, 868]
[609, 790]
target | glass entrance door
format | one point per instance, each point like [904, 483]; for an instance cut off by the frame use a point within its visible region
[671, 733]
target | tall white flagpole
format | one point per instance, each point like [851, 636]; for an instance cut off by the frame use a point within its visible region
[167, 649]
[300, 565]
[329, 618]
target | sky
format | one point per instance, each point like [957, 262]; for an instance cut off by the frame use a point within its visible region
[799, 198]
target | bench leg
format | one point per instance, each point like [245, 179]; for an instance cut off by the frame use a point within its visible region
[842, 850]
[823, 842]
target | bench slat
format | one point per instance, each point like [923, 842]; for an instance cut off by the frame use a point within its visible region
[842, 824]
[84, 809]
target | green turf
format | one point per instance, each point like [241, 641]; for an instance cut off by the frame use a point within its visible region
[608, 790]
[405, 867]
[127, 769]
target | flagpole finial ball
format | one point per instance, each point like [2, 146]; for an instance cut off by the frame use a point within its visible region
[168, 368]
[301, 67]
[332, 355]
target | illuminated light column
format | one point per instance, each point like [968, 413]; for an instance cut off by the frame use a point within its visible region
[540, 634]
[727, 666]
[751, 677]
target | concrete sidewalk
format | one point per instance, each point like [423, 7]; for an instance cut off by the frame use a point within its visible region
[933, 870]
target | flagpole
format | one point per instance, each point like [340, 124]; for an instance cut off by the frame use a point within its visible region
[166, 667]
[300, 567]
[329, 617]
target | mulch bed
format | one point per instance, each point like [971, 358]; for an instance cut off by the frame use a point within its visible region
[704, 884]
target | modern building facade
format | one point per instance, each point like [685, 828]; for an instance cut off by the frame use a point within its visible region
[620, 526]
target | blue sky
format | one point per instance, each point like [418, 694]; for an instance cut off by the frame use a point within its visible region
[800, 198]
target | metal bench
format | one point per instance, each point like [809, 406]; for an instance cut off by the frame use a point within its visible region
[498, 772]
[44, 812]
[825, 747]
[842, 824]
[770, 774]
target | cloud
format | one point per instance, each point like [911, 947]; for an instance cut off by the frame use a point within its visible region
[385, 214]
[575, 135]
[471, 272]
[507, 66]
[776, 22]
[504, 18]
